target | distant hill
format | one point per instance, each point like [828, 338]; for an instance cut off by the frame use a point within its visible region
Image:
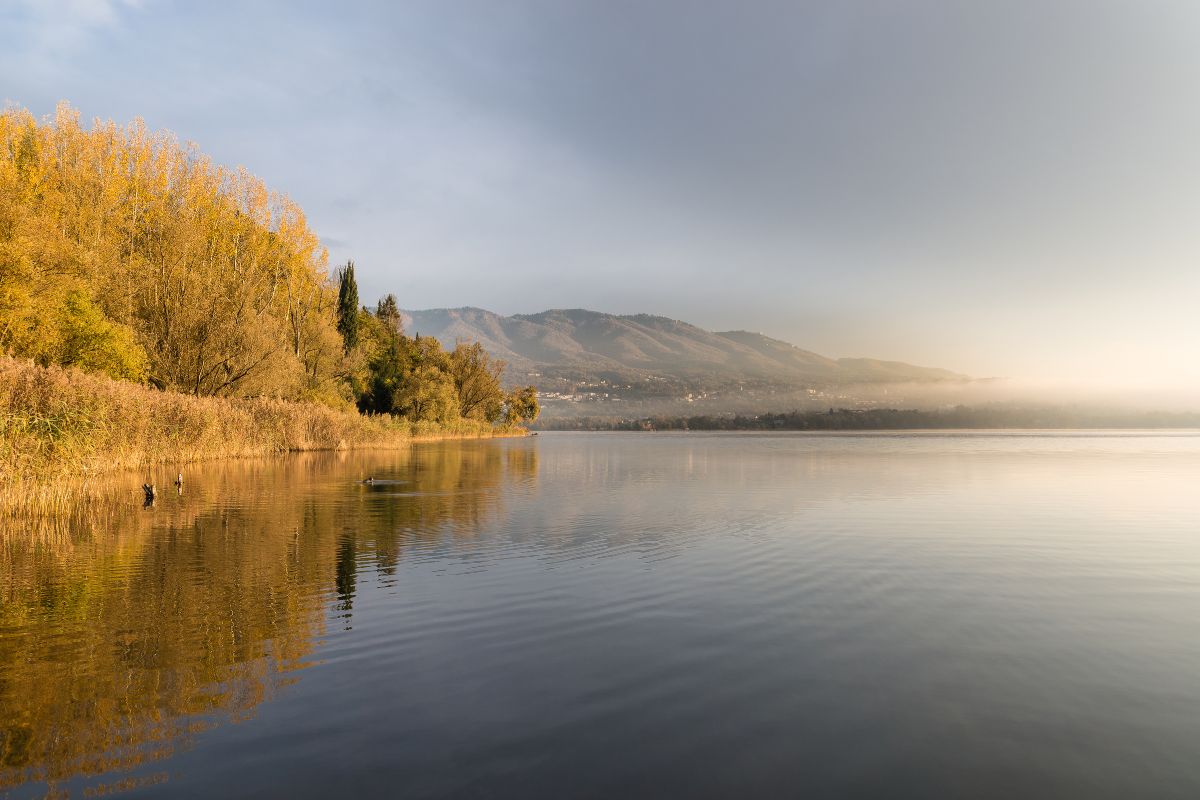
[575, 345]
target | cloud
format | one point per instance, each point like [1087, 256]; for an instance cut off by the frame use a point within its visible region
[53, 28]
[998, 188]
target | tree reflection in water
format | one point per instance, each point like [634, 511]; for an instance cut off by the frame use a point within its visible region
[128, 632]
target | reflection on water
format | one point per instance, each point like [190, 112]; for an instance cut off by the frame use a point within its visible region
[623, 615]
[123, 639]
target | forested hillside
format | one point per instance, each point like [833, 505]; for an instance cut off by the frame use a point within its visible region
[588, 363]
[631, 348]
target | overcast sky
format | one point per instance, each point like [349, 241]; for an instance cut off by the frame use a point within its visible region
[1000, 188]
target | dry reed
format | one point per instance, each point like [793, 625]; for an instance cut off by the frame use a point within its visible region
[59, 428]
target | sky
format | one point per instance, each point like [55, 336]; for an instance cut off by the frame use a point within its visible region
[1002, 188]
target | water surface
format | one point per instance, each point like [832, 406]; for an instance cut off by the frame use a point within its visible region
[907, 615]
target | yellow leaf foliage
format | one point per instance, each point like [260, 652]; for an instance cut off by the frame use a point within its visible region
[128, 253]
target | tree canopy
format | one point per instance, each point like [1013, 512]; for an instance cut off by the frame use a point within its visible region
[202, 273]
[127, 253]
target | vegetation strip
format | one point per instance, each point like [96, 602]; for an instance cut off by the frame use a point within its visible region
[59, 428]
[156, 308]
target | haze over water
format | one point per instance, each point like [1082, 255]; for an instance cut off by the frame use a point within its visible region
[985, 615]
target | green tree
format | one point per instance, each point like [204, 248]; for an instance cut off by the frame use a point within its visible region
[389, 365]
[347, 306]
[426, 392]
[477, 382]
[84, 338]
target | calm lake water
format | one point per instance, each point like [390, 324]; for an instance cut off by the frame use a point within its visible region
[615, 615]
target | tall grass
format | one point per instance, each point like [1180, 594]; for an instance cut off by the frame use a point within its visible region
[61, 427]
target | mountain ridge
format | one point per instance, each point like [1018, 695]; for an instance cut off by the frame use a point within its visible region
[573, 344]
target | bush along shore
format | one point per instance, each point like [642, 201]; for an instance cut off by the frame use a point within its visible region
[61, 428]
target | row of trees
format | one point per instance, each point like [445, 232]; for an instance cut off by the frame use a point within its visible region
[990, 416]
[128, 253]
[391, 373]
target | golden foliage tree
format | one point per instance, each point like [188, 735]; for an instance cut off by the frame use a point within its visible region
[125, 252]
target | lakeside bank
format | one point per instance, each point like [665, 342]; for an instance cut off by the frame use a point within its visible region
[60, 428]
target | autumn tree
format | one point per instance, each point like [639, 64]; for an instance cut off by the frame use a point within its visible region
[219, 281]
[125, 252]
[521, 406]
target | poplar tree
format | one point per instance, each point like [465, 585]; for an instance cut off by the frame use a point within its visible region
[125, 252]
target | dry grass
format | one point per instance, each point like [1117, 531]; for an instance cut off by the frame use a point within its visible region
[59, 428]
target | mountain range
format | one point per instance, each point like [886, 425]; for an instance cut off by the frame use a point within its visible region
[566, 347]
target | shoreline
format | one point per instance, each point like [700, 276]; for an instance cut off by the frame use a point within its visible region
[38, 498]
[1131, 430]
[63, 430]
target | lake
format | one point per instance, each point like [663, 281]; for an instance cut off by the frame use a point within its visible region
[623, 615]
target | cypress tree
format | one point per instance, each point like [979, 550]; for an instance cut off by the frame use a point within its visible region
[347, 308]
